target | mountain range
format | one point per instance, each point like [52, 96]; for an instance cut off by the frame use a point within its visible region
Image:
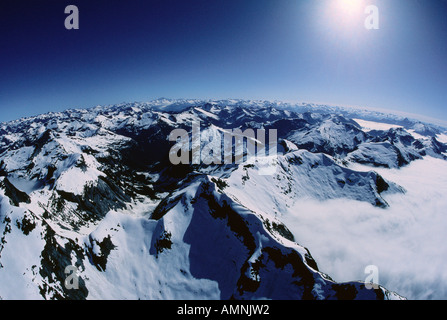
[95, 189]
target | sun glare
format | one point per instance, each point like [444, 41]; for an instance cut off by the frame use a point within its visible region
[346, 13]
[342, 23]
[349, 7]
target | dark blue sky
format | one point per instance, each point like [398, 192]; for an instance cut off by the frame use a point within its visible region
[304, 50]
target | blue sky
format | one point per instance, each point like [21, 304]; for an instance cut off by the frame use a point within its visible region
[302, 50]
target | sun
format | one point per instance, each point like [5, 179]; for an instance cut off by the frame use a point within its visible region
[350, 2]
[342, 22]
[350, 7]
[347, 13]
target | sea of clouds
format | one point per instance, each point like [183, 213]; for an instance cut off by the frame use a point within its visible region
[407, 241]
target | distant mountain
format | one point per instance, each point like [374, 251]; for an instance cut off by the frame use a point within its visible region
[95, 189]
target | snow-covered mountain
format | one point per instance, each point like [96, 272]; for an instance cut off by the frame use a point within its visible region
[95, 189]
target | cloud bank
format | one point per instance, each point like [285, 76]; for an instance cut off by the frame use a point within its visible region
[407, 241]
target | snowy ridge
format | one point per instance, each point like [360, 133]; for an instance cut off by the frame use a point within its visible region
[94, 189]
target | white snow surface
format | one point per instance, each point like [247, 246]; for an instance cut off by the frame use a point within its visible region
[373, 125]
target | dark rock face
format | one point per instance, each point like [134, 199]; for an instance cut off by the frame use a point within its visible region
[55, 259]
[15, 196]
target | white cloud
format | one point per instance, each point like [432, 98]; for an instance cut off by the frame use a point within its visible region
[407, 241]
